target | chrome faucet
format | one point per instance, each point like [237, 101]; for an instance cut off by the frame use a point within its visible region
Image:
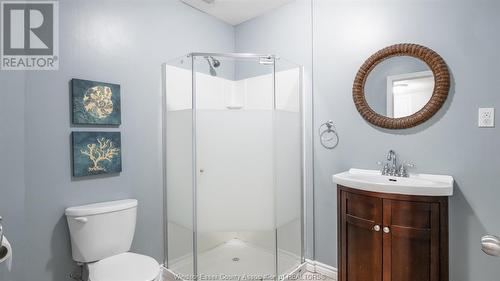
[391, 167]
[391, 156]
[1, 232]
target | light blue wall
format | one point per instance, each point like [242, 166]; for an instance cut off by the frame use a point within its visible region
[12, 90]
[465, 34]
[123, 42]
[286, 32]
[347, 32]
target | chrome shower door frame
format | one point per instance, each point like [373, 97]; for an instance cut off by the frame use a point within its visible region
[192, 57]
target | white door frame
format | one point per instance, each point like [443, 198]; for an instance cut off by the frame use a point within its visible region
[393, 78]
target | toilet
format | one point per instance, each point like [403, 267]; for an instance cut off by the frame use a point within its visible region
[101, 237]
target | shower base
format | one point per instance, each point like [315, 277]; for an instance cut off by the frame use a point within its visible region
[236, 260]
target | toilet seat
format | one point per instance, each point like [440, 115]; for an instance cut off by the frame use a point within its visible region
[125, 267]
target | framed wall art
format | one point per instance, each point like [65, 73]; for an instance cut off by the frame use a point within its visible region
[96, 153]
[95, 103]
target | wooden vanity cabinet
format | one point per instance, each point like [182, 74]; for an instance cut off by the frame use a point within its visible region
[390, 237]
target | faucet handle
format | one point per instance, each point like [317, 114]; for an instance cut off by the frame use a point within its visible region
[409, 165]
[403, 171]
[384, 168]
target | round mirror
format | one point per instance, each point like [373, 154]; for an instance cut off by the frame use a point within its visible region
[401, 86]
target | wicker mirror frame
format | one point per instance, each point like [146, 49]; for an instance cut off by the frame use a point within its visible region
[439, 95]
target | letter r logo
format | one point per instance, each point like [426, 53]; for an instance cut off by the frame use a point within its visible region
[28, 28]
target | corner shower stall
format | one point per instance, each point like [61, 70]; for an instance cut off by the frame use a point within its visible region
[233, 166]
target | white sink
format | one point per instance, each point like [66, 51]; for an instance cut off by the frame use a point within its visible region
[416, 184]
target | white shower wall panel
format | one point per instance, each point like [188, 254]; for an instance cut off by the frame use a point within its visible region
[235, 150]
[235, 163]
[179, 168]
[178, 86]
[287, 155]
[288, 91]
[213, 92]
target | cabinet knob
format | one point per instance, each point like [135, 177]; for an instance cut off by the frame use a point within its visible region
[387, 229]
[490, 245]
[376, 227]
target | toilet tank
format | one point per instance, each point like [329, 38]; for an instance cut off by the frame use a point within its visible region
[101, 230]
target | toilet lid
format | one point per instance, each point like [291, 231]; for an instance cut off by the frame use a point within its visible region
[125, 267]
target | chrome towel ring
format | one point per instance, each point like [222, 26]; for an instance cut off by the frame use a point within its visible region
[328, 135]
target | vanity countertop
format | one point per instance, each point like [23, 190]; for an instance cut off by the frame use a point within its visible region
[415, 184]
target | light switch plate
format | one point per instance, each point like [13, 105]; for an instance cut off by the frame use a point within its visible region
[486, 118]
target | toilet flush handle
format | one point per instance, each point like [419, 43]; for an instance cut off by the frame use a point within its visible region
[81, 219]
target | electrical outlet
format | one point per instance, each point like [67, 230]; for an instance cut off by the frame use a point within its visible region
[486, 117]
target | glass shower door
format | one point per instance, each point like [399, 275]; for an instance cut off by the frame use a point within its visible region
[178, 160]
[233, 182]
[234, 160]
[288, 157]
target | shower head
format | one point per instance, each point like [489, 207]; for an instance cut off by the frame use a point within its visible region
[213, 63]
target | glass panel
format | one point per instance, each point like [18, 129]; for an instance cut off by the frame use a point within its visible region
[179, 165]
[235, 165]
[288, 165]
[247, 160]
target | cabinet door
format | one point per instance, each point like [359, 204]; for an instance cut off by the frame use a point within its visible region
[361, 243]
[411, 241]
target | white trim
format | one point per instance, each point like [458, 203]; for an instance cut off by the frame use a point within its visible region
[390, 97]
[321, 268]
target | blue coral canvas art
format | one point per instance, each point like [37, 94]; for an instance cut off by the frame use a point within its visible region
[96, 153]
[95, 103]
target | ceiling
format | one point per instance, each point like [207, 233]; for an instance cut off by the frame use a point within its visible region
[235, 11]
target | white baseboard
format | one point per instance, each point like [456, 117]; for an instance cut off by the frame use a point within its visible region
[321, 268]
